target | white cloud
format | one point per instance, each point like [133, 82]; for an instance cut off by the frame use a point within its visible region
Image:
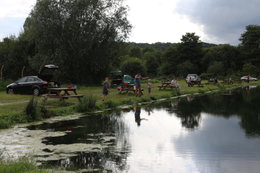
[157, 21]
[15, 8]
[12, 16]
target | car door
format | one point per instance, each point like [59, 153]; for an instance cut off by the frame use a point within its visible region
[19, 87]
[28, 84]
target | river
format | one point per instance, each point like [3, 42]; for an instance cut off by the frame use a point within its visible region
[216, 133]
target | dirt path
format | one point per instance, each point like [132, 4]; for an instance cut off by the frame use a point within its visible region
[13, 103]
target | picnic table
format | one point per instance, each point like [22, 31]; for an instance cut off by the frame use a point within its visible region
[63, 93]
[165, 85]
[128, 88]
[198, 83]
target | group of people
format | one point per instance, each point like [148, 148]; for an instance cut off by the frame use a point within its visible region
[137, 85]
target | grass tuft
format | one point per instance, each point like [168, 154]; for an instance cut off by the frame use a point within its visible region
[87, 103]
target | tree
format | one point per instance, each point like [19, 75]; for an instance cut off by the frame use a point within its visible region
[170, 60]
[135, 52]
[133, 66]
[216, 69]
[250, 44]
[228, 55]
[82, 37]
[190, 49]
[151, 63]
[185, 68]
[249, 69]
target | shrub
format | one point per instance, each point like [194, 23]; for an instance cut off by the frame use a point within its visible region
[87, 103]
[133, 66]
[3, 85]
[32, 110]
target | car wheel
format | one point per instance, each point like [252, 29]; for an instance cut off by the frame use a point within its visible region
[36, 92]
[10, 91]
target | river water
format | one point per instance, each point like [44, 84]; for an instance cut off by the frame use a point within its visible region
[217, 133]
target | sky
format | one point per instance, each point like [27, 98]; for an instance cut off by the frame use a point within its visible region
[215, 21]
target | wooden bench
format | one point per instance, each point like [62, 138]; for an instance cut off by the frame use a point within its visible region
[62, 93]
[165, 85]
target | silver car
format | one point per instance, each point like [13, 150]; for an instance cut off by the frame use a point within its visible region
[193, 78]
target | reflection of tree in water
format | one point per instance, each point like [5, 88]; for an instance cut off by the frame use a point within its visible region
[108, 130]
[242, 103]
[189, 112]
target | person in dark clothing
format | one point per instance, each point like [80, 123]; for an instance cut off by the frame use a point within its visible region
[105, 88]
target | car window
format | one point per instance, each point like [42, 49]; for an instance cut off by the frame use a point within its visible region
[30, 79]
[21, 80]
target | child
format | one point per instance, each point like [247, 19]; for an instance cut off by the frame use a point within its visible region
[105, 88]
[149, 86]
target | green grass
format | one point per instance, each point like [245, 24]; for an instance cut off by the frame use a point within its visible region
[21, 166]
[12, 106]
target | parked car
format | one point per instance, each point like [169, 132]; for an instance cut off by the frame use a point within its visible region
[245, 78]
[35, 85]
[193, 78]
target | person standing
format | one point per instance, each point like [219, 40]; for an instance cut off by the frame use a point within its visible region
[149, 86]
[105, 88]
[138, 78]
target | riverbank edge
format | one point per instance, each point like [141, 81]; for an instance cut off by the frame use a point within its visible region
[19, 119]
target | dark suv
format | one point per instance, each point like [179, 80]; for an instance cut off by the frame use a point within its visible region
[35, 85]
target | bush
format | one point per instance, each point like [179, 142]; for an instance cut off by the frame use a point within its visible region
[133, 66]
[3, 84]
[32, 110]
[87, 103]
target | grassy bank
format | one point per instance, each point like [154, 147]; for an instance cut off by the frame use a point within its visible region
[13, 107]
[20, 166]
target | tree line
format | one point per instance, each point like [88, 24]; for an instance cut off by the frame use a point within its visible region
[193, 56]
[86, 39]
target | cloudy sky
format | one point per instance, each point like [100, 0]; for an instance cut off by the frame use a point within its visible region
[215, 21]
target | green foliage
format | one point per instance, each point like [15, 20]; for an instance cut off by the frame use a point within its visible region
[32, 110]
[4, 123]
[228, 55]
[3, 84]
[82, 37]
[185, 68]
[87, 103]
[20, 166]
[133, 66]
[151, 63]
[109, 104]
[216, 69]
[176, 92]
[135, 52]
[249, 69]
[36, 109]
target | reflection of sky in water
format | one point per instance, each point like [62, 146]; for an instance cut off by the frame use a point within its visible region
[133, 142]
[161, 144]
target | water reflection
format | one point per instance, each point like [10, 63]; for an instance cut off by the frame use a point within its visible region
[138, 118]
[203, 134]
